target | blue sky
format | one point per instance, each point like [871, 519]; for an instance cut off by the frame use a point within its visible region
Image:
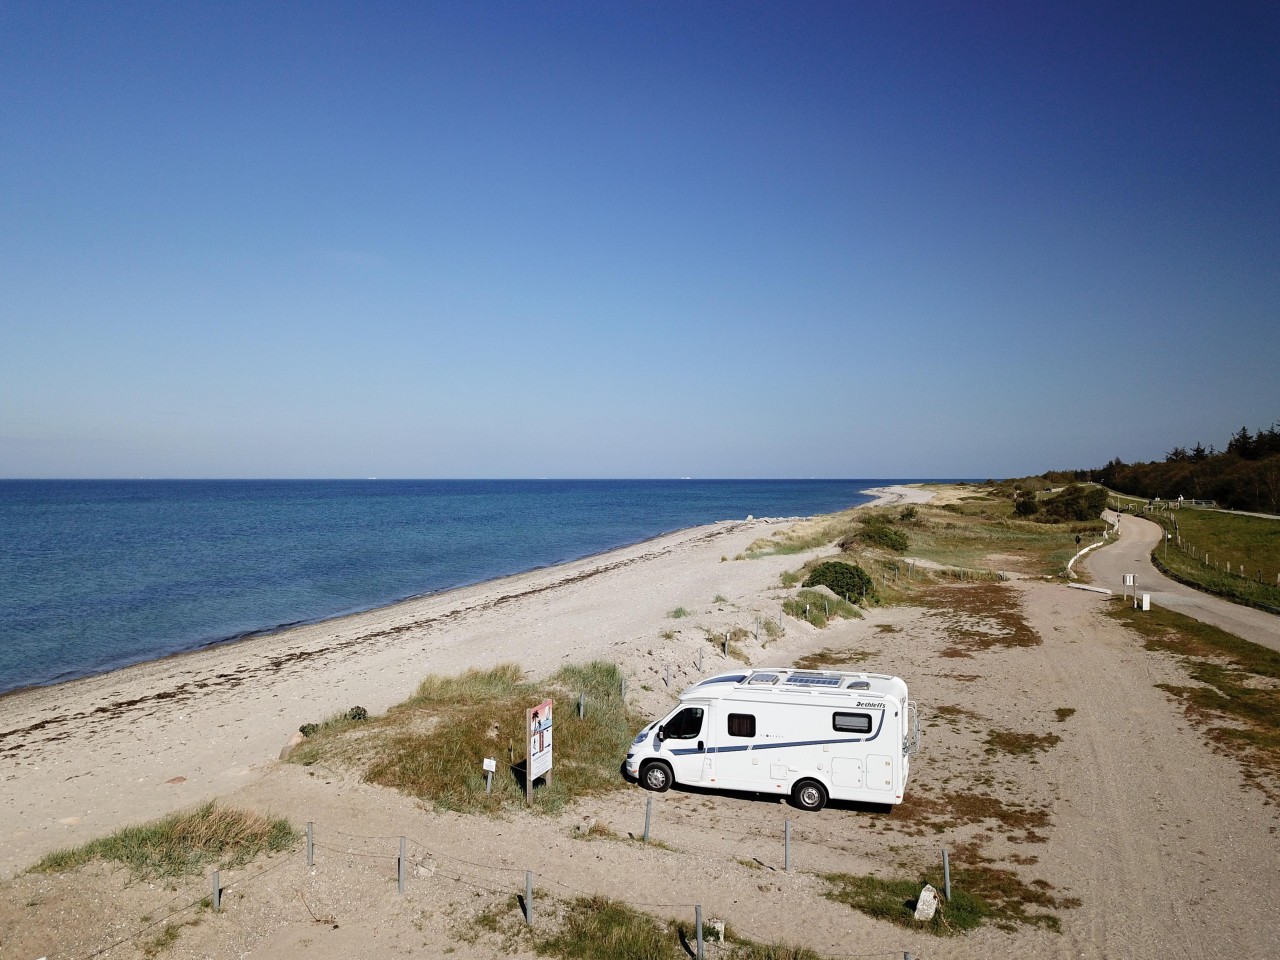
[633, 239]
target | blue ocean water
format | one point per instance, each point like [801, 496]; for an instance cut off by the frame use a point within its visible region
[98, 574]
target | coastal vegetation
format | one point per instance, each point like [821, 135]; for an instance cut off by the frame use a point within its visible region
[818, 609]
[877, 530]
[181, 844]
[428, 747]
[972, 536]
[846, 580]
[601, 928]
[982, 894]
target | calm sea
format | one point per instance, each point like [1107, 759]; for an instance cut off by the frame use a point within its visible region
[98, 574]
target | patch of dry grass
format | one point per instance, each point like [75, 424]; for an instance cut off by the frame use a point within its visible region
[979, 617]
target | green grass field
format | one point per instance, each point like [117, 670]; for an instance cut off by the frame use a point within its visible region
[1248, 546]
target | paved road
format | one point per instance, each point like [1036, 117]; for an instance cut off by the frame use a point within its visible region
[1132, 554]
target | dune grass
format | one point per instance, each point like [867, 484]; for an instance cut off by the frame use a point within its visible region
[432, 745]
[600, 928]
[181, 844]
[818, 608]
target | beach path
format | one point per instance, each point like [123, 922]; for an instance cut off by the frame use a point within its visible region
[1131, 553]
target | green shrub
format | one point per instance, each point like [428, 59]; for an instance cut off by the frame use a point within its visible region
[846, 580]
[878, 532]
[1027, 507]
[1074, 503]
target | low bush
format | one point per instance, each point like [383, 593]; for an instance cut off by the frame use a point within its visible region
[879, 533]
[1074, 503]
[846, 580]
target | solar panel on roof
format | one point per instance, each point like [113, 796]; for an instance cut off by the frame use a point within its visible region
[815, 681]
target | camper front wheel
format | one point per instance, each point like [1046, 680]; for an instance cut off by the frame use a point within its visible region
[656, 776]
[809, 795]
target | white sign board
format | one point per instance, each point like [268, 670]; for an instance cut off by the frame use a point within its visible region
[490, 764]
[1129, 579]
[539, 727]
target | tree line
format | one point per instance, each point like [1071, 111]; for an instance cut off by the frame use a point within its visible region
[1244, 476]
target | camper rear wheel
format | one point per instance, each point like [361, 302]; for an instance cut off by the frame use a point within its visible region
[656, 776]
[809, 795]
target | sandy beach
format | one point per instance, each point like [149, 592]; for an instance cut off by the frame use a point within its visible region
[1138, 822]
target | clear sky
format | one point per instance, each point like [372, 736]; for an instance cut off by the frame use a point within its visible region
[862, 239]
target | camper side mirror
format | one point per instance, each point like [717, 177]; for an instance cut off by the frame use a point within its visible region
[662, 733]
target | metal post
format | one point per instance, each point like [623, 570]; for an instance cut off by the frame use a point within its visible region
[700, 652]
[311, 844]
[488, 781]
[400, 864]
[622, 688]
[582, 705]
[217, 891]
[528, 897]
[946, 874]
[648, 816]
[667, 674]
[697, 913]
[726, 646]
[786, 846]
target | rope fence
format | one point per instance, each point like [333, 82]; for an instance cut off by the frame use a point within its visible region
[494, 879]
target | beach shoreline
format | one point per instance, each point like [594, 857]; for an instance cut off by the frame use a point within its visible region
[198, 724]
[182, 647]
[83, 759]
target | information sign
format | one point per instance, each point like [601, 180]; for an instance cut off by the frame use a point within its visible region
[538, 723]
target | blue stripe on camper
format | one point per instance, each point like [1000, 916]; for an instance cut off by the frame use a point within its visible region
[778, 746]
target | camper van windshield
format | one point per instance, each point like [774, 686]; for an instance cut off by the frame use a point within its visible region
[685, 725]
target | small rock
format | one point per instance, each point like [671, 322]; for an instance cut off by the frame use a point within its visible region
[927, 905]
[585, 827]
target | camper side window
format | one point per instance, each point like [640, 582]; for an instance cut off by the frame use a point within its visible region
[851, 722]
[685, 725]
[742, 725]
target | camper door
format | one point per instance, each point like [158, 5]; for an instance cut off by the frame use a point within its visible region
[685, 740]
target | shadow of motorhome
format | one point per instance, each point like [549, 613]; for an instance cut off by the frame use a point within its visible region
[849, 806]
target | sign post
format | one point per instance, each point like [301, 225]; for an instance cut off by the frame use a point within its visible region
[490, 765]
[538, 724]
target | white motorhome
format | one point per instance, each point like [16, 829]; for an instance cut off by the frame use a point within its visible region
[813, 734]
